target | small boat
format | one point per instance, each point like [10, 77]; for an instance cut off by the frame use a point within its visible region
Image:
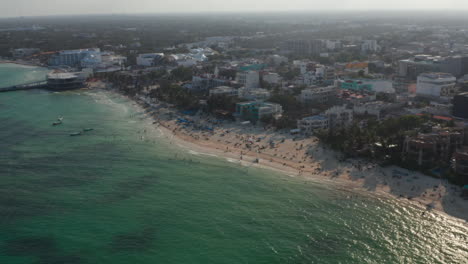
[75, 134]
[60, 119]
[88, 129]
[57, 123]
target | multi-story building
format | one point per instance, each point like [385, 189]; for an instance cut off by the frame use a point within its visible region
[460, 106]
[149, 59]
[318, 95]
[357, 68]
[277, 59]
[369, 46]
[224, 91]
[254, 94]
[208, 81]
[455, 65]
[334, 118]
[271, 78]
[304, 47]
[376, 108]
[333, 45]
[410, 69]
[429, 149]
[310, 124]
[248, 79]
[307, 78]
[256, 110]
[74, 58]
[325, 73]
[367, 85]
[339, 116]
[461, 163]
[436, 85]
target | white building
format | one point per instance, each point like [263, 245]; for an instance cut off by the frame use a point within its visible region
[369, 46]
[87, 58]
[277, 59]
[326, 73]
[224, 91]
[436, 85]
[333, 45]
[333, 118]
[308, 78]
[271, 78]
[256, 110]
[254, 94]
[208, 81]
[318, 95]
[339, 116]
[309, 124]
[248, 79]
[149, 59]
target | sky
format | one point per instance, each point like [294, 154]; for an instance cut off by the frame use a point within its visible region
[14, 8]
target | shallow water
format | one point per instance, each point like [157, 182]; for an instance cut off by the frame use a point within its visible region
[123, 194]
[13, 74]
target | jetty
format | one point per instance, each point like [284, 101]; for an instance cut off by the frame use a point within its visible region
[27, 86]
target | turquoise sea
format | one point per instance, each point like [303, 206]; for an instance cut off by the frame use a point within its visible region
[123, 193]
[13, 74]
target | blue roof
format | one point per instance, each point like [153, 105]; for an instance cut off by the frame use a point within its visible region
[316, 117]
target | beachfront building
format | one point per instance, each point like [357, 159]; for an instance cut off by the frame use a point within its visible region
[339, 116]
[149, 59]
[86, 58]
[430, 149]
[64, 81]
[248, 79]
[334, 118]
[224, 91]
[436, 85]
[318, 95]
[256, 110]
[310, 124]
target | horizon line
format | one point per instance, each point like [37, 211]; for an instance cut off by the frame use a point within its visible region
[245, 12]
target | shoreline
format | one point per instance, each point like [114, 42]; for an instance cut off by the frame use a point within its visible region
[302, 157]
[22, 63]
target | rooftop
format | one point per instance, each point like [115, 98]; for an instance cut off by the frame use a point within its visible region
[315, 117]
[61, 75]
[436, 75]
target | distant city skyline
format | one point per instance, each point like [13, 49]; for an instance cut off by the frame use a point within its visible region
[65, 7]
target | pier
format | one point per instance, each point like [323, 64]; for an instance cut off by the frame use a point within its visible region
[27, 86]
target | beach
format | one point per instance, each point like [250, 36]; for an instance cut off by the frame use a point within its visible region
[133, 191]
[300, 156]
